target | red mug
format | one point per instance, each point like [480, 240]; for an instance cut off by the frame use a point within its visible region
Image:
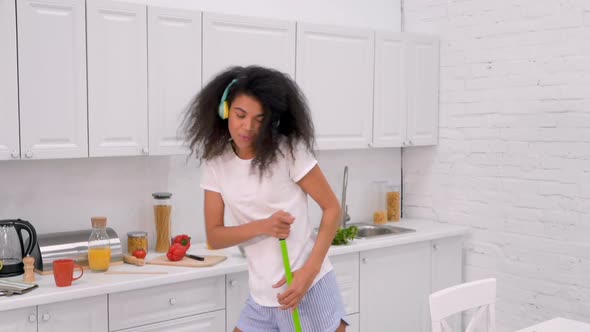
[63, 272]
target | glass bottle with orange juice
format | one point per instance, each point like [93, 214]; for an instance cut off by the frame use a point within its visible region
[99, 247]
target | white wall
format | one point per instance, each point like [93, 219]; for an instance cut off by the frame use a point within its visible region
[61, 195]
[513, 161]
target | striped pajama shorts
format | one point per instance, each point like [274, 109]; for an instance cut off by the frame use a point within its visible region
[320, 310]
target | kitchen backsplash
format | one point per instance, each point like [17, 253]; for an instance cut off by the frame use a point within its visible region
[62, 195]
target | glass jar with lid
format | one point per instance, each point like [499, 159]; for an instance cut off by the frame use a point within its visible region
[162, 213]
[378, 202]
[137, 240]
[99, 245]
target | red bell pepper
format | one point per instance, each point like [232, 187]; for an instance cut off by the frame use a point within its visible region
[183, 239]
[176, 252]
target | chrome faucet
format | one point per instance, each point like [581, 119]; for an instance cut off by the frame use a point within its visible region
[345, 216]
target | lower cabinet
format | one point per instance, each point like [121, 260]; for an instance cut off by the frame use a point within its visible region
[19, 320]
[164, 303]
[209, 322]
[346, 268]
[353, 323]
[236, 294]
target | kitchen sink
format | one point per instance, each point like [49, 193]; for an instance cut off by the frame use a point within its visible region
[366, 230]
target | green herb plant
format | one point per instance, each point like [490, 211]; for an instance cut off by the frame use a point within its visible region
[344, 235]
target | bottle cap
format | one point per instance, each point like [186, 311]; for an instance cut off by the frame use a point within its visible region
[99, 222]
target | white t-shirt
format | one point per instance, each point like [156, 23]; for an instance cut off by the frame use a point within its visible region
[248, 197]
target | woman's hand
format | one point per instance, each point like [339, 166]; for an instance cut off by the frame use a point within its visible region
[302, 280]
[278, 224]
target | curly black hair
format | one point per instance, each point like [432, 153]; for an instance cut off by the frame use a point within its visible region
[208, 135]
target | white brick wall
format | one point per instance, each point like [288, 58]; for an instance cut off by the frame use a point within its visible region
[513, 161]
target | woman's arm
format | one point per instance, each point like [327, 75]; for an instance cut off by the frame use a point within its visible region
[314, 183]
[219, 236]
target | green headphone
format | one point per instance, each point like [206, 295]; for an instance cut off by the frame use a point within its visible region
[223, 109]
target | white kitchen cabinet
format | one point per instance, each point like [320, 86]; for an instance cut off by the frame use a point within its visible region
[174, 75]
[447, 268]
[117, 78]
[395, 284]
[389, 113]
[209, 322]
[157, 304]
[422, 83]
[19, 320]
[236, 294]
[241, 41]
[9, 129]
[87, 314]
[406, 90]
[346, 268]
[353, 321]
[335, 71]
[52, 79]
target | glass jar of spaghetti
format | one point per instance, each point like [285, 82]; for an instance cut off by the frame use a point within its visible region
[162, 213]
[137, 240]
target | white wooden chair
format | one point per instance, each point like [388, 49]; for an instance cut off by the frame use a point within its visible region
[479, 294]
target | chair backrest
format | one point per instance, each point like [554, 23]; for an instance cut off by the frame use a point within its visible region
[480, 294]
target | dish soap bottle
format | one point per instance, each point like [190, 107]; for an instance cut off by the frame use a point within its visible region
[99, 247]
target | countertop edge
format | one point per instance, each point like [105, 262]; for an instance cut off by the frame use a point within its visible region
[425, 231]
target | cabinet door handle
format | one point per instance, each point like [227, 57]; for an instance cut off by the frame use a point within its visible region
[32, 318]
[365, 260]
[46, 317]
[435, 247]
[233, 283]
[411, 143]
[14, 154]
[172, 301]
[145, 150]
[29, 154]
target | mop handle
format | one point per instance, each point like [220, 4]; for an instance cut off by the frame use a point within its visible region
[289, 277]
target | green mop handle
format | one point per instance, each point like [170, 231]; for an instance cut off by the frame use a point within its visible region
[289, 277]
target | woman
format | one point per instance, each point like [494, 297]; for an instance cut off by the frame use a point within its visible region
[253, 129]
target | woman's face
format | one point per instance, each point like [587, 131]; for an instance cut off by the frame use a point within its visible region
[245, 119]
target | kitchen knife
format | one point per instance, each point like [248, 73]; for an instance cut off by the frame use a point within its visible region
[199, 258]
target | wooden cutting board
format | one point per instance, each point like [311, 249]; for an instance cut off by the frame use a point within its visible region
[188, 262]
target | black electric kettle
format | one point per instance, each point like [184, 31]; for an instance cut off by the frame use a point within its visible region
[12, 248]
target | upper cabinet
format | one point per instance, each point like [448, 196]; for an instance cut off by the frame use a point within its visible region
[52, 79]
[100, 78]
[335, 72]
[174, 75]
[422, 83]
[406, 90]
[240, 41]
[9, 128]
[389, 114]
[117, 78]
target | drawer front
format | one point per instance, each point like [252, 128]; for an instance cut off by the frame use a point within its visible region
[156, 304]
[209, 322]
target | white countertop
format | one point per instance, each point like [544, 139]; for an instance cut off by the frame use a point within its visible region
[92, 284]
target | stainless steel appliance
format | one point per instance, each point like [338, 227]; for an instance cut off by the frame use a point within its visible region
[74, 244]
[12, 245]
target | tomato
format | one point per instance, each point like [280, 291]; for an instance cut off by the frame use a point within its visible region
[139, 253]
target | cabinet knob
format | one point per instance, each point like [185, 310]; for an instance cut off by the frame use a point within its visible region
[29, 154]
[32, 318]
[435, 247]
[233, 283]
[370, 145]
[410, 142]
[404, 144]
[172, 301]
[365, 260]
[145, 150]
[46, 317]
[14, 154]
